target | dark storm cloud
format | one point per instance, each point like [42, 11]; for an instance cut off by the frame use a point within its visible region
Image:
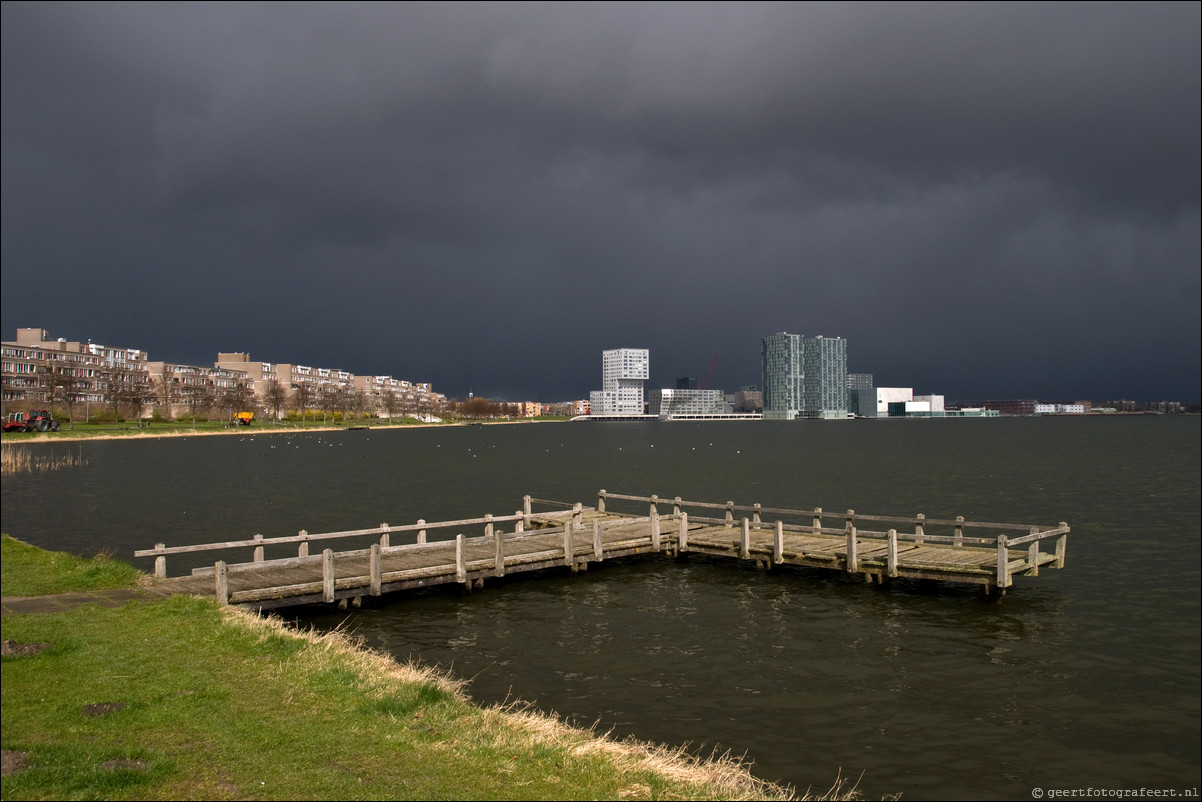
[984, 199]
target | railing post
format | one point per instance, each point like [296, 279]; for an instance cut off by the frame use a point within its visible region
[499, 551]
[730, 513]
[853, 559]
[160, 562]
[421, 533]
[745, 541]
[683, 544]
[778, 543]
[654, 502]
[327, 575]
[1033, 553]
[600, 501]
[959, 538]
[1061, 545]
[598, 551]
[460, 560]
[920, 529]
[221, 582]
[374, 567]
[258, 554]
[676, 507]
[519, 525]
[488, 524]
[654, 529]
[384, 537]
[577, 513]
[891, 555]
[1003, 563]
[302, 548]
[817, 522]
[526, 509]
[755, 514]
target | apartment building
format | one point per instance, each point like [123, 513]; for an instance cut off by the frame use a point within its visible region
[623, 372]
[38, 370]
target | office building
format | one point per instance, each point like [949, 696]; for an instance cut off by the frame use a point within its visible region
[824, 382]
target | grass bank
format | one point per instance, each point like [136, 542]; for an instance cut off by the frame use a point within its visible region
[181, 699]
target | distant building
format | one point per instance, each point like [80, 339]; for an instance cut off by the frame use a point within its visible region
[782, 370]
[623, 371]
[859, 381]
[804, 377]
[668, 403]
[824, 383]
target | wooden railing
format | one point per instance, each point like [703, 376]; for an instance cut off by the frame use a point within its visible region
[852, 530]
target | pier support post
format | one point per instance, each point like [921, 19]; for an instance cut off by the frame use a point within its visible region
[1033, 553]
[327, 575]
[460, 560]
[683, 542]
[374, 568]
[598, 550]
[778, 543]
[221, 582]
[745, 540]
[655, 542]
[1003, 563]
[160, 562]
[853, 559]
[302, 549]
[891, 553]
[569, 529]
[499, 552]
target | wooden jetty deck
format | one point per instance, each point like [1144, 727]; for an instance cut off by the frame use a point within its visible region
[573, 536]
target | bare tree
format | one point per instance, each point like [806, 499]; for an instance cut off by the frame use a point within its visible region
[327, 397]
[235, 398]
[67, 389]
[167, 390]
[198, 396]
[392, 404]
[303, 396]
[276, 396]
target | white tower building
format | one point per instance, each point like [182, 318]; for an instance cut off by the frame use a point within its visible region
[623, 371]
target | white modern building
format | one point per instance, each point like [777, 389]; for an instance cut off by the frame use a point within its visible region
[623, 371]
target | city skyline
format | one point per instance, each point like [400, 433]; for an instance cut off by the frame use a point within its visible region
[985, 200]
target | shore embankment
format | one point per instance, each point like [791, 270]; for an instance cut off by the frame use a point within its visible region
[165, 696]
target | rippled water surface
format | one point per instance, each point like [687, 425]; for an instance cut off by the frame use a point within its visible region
[1087, 677]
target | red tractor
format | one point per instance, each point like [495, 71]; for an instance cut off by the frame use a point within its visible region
[35, 420]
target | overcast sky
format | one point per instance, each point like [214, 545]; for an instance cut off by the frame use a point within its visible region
[985, 200]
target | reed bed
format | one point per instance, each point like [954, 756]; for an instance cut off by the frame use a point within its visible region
[23, 459]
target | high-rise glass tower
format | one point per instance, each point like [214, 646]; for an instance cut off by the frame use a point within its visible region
[781, 364]
[824, 364]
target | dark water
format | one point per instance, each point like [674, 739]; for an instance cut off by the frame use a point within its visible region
[1083, 678]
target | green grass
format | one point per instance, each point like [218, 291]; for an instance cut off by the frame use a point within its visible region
[206, 702]
[30, 571]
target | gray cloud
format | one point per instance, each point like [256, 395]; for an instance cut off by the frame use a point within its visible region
[985, 199]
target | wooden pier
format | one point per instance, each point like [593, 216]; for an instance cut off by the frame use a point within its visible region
[875, 547]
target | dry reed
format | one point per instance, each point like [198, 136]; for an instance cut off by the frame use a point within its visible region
[22, 459]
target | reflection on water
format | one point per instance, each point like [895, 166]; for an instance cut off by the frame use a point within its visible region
[1085, 677]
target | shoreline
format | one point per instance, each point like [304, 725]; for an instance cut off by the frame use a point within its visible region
[69, 437]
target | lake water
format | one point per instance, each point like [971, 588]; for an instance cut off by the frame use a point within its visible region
[1083, 678]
